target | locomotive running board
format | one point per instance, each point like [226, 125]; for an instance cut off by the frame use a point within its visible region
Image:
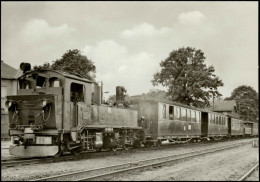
[33, 151]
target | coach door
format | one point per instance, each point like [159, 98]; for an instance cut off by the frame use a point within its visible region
[229, 126]
[204, 123]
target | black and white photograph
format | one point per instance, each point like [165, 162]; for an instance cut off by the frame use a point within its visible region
[129, 91]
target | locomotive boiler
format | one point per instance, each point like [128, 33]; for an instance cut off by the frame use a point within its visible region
[55, 112]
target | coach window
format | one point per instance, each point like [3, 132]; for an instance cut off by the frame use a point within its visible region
[171, 112]
[197, 116]
[183, 114]
[188, 115]
[164, 111]
[77, 92]
[193, 116]
[177, 114]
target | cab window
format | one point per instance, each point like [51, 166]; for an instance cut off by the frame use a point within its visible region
[54, 82]
[40, 82]
[77, 92]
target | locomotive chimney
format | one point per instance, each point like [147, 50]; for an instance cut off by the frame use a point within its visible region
[25, 67]
[120, 97]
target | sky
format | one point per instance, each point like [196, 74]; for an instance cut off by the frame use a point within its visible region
[127, 40]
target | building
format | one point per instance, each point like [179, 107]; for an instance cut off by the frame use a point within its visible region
[226, 107]
[9, 77]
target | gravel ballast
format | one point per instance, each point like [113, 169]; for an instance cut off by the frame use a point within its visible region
[43, 170]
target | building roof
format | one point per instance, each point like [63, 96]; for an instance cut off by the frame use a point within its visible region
[224, 105]
[8, 72]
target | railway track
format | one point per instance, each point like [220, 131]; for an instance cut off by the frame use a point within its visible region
[68, 157]
[111, 171]
[245, 176]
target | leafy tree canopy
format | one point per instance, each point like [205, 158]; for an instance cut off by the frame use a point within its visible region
[72, 62]
[187, 77]
[247, 102]
[156, 93]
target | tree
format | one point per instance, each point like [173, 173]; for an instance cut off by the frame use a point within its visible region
[187, 78]
[247, 102]
[73, 62]
[156, 93]
[112, 98]
[45, 65]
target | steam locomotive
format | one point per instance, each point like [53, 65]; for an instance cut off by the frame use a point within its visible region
[54, 112]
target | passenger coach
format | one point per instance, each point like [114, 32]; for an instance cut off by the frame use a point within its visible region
[214, 124]
[167, 120]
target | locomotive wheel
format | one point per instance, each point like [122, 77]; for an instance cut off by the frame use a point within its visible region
[58, 154]
[76, 151]
[99, 149]
[125, 147]
[158, 143]
[61, 150]
[137, 143]
[114, 148]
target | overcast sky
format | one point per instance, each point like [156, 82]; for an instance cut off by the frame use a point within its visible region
[127, 40]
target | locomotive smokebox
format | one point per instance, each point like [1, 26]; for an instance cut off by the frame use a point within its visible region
[120, 97]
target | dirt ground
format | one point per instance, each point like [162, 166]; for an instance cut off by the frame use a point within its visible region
[227, 165]
[254, 176]
[5, 150]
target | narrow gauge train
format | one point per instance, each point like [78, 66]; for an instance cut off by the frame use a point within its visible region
[166, 120]
[55, 112]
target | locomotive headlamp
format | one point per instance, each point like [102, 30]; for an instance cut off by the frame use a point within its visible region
[45, 102]
[9, 103]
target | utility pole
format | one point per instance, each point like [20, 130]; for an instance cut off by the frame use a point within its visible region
[248, 113]
[213, 94]
[241, 95]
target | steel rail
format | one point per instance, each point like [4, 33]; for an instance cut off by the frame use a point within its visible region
[249, 173]
[102, 172]
[27, 161]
